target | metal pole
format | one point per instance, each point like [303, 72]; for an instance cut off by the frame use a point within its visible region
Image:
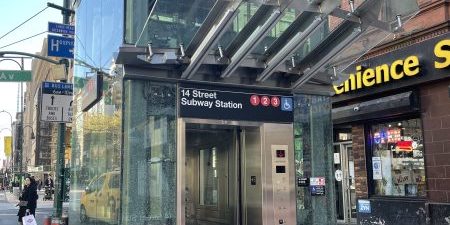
[21, 132]
[60, 181]
[12, 147]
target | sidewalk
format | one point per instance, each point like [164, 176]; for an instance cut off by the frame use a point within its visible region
[11, 198]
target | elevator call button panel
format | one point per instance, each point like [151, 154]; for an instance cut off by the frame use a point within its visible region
[281, 184]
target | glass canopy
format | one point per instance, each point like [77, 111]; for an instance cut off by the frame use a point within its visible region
[313, 41]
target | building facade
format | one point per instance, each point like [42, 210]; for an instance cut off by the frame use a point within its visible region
[391, 128]
[216, 112]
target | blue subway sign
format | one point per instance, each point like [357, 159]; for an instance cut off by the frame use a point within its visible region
[61, 28]
[59, 46]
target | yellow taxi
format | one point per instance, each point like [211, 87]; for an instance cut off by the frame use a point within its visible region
[100, 199]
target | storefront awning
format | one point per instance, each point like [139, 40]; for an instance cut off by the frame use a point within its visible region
[298, 45]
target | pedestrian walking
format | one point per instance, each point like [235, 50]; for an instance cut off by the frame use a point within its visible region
[39, 184]
[28, 199]
[49, 182]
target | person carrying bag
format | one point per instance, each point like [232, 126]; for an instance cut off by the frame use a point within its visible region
[28, 202]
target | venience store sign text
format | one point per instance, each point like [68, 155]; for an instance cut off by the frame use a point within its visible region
[207, 102]
[418, 63]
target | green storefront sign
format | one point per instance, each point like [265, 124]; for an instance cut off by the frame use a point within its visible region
[15, 75]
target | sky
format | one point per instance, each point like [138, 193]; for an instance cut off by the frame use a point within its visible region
[13, 13]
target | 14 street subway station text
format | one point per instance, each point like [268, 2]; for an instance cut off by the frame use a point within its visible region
[208, 99]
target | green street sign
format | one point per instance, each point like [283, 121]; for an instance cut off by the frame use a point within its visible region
[15, 75]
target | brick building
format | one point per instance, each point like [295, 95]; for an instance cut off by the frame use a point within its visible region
[392, 123]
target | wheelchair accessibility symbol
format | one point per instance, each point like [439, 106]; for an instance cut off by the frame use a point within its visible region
[286, 104]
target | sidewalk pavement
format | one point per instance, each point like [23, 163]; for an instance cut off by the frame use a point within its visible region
[11, 198]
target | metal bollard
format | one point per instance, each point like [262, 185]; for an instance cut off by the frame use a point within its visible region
[47, 220]
[56, 221]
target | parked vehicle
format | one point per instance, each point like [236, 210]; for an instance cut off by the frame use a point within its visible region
[100, 199]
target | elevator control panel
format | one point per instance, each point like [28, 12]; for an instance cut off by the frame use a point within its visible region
[281, 184]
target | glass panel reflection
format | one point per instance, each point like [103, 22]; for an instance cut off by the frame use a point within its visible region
[208, 177]
[209, 188]
[95, 168]
[244, 13]
[398, 158]
[289, 15]
[171, 22]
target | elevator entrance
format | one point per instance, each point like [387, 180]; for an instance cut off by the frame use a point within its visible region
[237, 173]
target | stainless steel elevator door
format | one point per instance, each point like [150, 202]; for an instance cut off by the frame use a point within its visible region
[223, 175]
[209, 189]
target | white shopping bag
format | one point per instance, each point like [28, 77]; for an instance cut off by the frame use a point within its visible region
[29, 220]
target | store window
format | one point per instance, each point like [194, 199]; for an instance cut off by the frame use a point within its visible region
[398, 158]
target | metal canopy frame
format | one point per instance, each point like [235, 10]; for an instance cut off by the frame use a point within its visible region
[210, 40]
[288, 49]
[251, 43]
[275, 68]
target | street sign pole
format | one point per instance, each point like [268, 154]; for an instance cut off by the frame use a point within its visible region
[21, 132]
[21, 176]
[60, 181]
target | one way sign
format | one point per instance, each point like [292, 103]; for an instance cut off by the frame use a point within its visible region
[56, 102]
[59, 46]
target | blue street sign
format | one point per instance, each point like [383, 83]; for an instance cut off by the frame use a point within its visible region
[61, 28]
[57, 88]
[60, 46]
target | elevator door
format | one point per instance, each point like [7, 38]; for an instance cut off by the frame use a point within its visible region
[222, 171]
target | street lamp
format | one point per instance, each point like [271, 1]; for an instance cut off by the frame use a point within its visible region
[12, 155]
[21, 65]
[6, 171]
[6, 128]
[32, 131]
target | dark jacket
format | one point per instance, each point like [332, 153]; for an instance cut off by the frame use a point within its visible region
[48, 182]
[30, 195]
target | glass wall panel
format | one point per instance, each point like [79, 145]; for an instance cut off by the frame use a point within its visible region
[209, 181]
[245, 12]
[164, 23]
[96, 134]
[99, 32]
[149, 155]
[313, 142]
[95, 164]
[289, 16]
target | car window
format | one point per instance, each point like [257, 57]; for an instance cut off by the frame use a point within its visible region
[99, 183]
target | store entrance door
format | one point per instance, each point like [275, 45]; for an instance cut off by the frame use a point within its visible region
[345, 183]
